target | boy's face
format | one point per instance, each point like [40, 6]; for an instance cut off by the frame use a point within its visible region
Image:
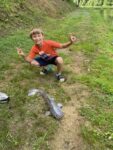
[38, 38]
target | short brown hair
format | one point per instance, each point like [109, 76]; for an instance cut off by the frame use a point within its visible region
[35, 31]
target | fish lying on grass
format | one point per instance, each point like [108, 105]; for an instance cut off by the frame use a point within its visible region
[55, 109]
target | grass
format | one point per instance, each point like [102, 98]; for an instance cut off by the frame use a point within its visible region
[23, 123]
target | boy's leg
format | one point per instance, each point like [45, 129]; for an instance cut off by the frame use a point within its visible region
[39, 62]
[35, 63]
[59, 64]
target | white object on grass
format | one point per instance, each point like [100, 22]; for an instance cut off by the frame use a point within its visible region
[3, 97]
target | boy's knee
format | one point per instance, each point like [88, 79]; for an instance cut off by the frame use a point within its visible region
[59, 60]
[35, 63]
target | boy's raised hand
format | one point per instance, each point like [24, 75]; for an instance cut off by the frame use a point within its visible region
[20, 51]
[72, 38]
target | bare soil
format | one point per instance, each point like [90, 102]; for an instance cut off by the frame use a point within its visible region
[68, 135]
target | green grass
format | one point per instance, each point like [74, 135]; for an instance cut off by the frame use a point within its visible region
[23, 123]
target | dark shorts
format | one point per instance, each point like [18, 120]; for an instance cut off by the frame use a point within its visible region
[44, 62]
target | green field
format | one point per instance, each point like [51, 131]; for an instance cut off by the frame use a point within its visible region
[23, 124]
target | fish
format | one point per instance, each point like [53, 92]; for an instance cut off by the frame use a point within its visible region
[55, 109]
[32, 92]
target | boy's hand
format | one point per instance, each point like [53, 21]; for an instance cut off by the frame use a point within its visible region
[41, 52]
[73, 38]
[20, 52]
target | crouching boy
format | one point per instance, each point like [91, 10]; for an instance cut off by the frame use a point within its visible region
[44, 53]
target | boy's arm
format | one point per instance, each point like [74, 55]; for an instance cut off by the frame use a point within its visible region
[72, 39]
[22, 54]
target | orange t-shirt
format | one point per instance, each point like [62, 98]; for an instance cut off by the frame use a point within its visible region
[48, 47]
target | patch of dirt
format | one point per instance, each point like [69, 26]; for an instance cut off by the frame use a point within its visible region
[68, 136]
[78, 65]
[79, 62]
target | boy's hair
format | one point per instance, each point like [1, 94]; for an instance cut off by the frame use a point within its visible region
[35, 31]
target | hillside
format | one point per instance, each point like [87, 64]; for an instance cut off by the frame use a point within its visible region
[22, 13]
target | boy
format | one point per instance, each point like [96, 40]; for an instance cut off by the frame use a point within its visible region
[45, 49]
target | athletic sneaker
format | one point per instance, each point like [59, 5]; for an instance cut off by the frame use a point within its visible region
[60, 78]
[44, 72]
